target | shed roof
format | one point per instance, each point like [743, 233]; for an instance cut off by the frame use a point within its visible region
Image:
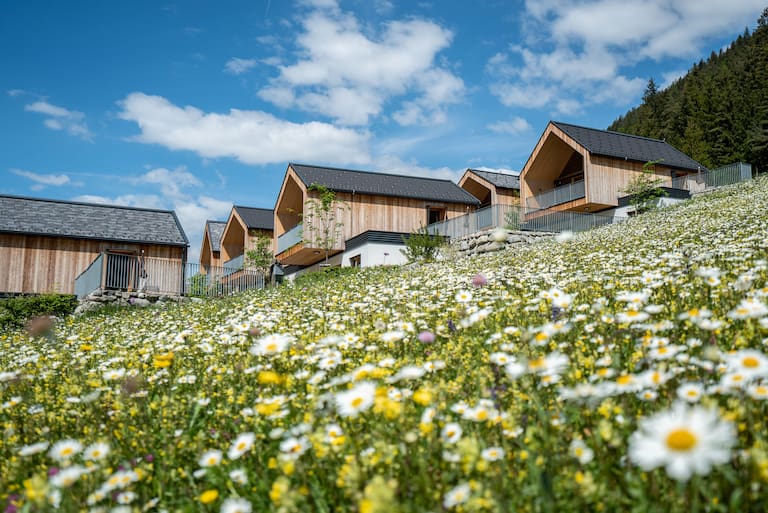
[215, 231]
[383, 184]
[501, 180]
[629, 147]
[57, 218]
[256, 218]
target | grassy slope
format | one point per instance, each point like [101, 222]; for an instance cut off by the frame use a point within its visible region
[191, 384]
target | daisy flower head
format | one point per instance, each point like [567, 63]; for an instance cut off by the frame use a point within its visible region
[63, 450]
[457, 495]
[359, 398]
[210, 458]
[271, 344]
[579, 450]
[451, 433]
[684, 440]
[236, 505]
[750, 362]
[29, 450]
[241, 445]
[463, 296]
[749, 309]
[492, 454]
[96, 451]
[294, 447]
[690, 392]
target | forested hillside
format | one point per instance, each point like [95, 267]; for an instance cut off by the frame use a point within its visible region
[718, 112]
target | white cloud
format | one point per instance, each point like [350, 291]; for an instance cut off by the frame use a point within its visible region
[238, 66]
[348, 72]
[253, 137]
[579, 53]
[395, 165]
[43, 180]
[59, 118]
[514, 126]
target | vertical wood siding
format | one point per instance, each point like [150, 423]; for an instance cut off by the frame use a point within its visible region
[34, 264]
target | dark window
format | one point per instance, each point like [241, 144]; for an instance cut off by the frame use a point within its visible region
[355, 261]
[435, 215]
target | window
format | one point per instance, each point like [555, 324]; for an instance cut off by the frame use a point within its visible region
[355, 261]
[435, 215]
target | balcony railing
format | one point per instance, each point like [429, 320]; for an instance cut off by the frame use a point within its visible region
[556, 196]
[133, 273]
[726, 175]
[514, 217]
[289, 238]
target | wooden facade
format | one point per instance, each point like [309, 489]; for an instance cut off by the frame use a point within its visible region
[208, 257]
[356, 213]
[559, 161]
[486, 192]
[40, 264]
[238, 238]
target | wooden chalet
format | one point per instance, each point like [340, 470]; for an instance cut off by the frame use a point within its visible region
[45, 244]
[243, 227]
[210, 250]
[377, 210]
[491, 188]
[580, 169]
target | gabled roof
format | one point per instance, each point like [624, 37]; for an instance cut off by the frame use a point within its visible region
[215, 230]
[500, 180]
[256, 218]
[627, 146]
[383, 184]
[56, 218]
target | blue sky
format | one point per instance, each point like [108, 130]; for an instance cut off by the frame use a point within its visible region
[197, 105]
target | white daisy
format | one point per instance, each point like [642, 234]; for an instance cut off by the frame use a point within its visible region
[271, 344]
[579, 450]
[236, 505]
[210, 458]
[685, 440]
[492, 454]
[456, 496]
[96, 451]
[65, 449]
[241, 445]
[451, 433]
[355, 400]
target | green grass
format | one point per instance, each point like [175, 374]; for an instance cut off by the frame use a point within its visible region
[570, 350]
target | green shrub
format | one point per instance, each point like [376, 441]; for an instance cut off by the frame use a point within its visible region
[329, 273]
[422, 246]
[16, 311]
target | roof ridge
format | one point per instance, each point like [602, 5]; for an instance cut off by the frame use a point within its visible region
[252, 208]
[207, 221]
[372, 172]
[87, 204]
[613, 132]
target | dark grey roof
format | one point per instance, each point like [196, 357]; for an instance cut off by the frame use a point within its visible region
[501, 180]
[215, 230]
[627, 146]
[257, 218]
[56, 218]
[382, 184]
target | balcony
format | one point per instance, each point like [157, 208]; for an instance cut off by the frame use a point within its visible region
[556, 196]
[290, 238]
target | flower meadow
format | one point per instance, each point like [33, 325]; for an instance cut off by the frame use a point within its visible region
[622, 369]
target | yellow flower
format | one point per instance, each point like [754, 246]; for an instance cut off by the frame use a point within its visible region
[422, 396]
[209, 496]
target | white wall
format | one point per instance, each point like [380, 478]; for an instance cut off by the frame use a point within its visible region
[371, 254]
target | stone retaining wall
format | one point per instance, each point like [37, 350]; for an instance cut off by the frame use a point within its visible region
[494, 240]
[100, 298]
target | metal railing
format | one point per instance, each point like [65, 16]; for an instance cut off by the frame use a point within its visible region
[515, 217]
[718, 177]
[557, 196]
[152, 275]
[289, 238]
